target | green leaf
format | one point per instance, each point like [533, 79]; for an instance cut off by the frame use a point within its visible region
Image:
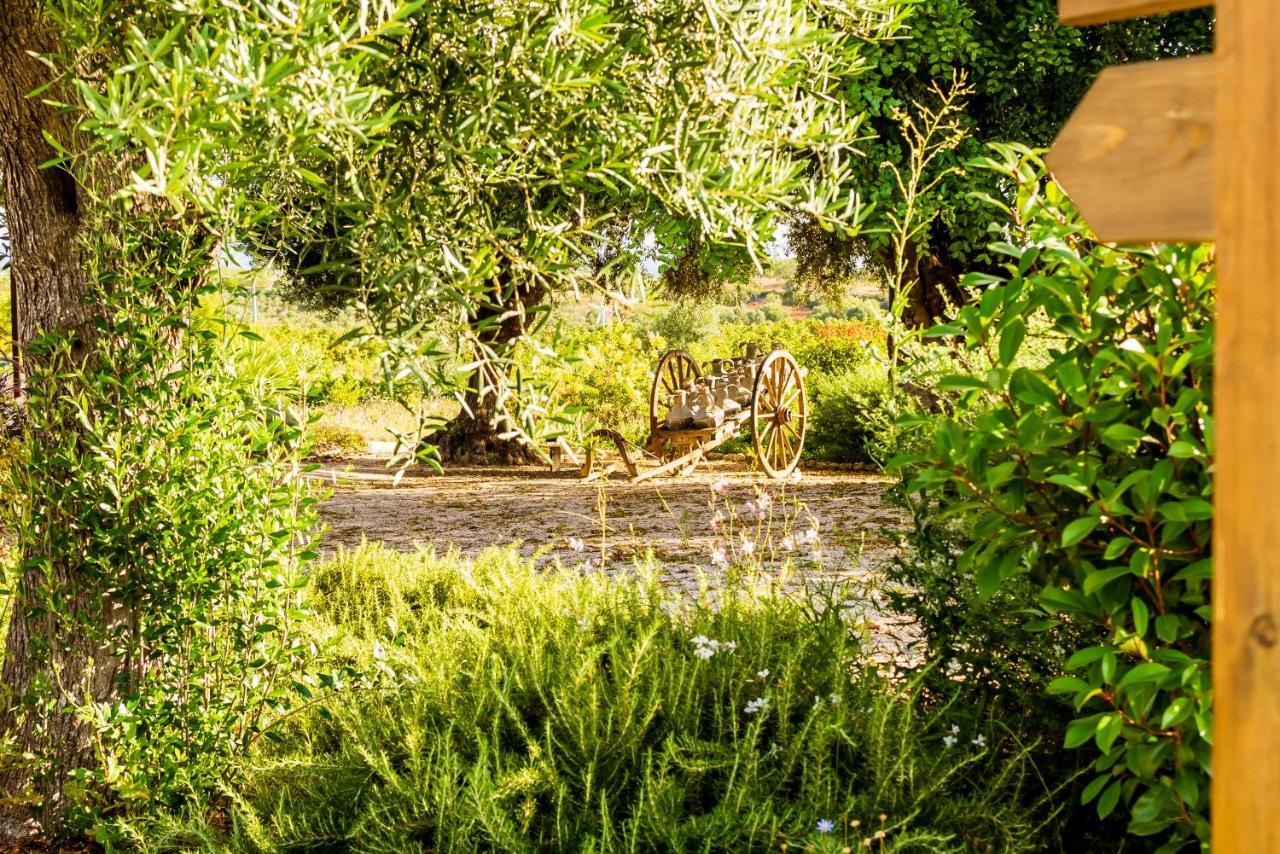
[1167, 628]
[1199, 569]
[1111, 797]
[1109, 729]
[1080, 731]
[1068, 685]
[1098, 579]
[1078, 530]
[1085, 657]
[1141, 616]
[1116, 547]
[1179, 710]
[992, 572]
[1011, 340]
[1146, 672]
[1122, 436]
[1091, 791]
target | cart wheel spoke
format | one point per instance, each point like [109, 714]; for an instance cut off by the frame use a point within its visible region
[674, 370]
[778, 413]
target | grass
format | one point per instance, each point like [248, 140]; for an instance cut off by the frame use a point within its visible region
[509, 708]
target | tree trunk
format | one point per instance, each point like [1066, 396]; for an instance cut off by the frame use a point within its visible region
[45, 214]
[934, 282]
[474, 435]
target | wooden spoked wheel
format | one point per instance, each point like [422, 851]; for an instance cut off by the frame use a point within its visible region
[676, 370]
[778, 414]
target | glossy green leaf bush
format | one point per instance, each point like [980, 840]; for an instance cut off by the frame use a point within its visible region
[1085, 467]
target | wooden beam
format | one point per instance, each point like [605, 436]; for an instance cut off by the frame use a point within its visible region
[1080, 13]
[1246, 585]
[1137, 155]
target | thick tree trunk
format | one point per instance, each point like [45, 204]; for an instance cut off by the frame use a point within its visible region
[934, 285]
[474, 436]
[45, 214]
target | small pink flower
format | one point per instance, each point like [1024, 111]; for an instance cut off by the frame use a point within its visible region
[718, 556]
[748, 547]
[720, 486]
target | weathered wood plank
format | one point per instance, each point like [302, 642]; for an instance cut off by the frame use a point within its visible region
[1137, 155]
[1246, 591]
[1081, 13]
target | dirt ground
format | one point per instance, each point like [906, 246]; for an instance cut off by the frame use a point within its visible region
[684, 521]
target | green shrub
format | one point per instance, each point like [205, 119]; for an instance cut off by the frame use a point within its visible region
[295, 356]
[1087, 474]
[180, 510]
[683, 325]
[853, 417]
[335, 440]
[535, 710]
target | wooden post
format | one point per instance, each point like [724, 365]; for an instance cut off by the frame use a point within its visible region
[1246, 539]
[1246, 588]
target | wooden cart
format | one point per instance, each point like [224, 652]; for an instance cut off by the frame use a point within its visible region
[776, 413]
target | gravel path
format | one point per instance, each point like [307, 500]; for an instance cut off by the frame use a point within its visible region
[684, 521]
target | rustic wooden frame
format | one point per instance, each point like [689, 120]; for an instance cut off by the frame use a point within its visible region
[1246, 583]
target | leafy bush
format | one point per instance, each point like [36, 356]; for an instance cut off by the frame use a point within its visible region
[1088, 475]
[682, 325]
[335, 440]
[190, 522]
[294, 355]
[853, 416]
[534, 710]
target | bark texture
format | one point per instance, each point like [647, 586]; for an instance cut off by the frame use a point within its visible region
[935, 289]
[474, 436]
[45, 211]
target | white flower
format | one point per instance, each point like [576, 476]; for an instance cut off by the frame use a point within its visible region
[955, 730]
[727, 646]
[764, 502]
[809, 536]
[762, 674]
[718, 556]
[757, 705]
[796, 476]
[701, 640]
[748, 547]
[980, 741]
[949, 740]
[788, 543]
[835, 699]
[720, 486]
[704, 652]
[576, 544]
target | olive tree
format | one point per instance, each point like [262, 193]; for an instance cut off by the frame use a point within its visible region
[538, 150]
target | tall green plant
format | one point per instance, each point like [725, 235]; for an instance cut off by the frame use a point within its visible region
[166, 488]
[1086, 466]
